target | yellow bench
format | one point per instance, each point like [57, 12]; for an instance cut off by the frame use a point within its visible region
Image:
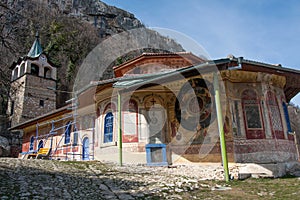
[42, 153]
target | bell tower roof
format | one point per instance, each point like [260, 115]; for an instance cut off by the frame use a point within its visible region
[36, 48]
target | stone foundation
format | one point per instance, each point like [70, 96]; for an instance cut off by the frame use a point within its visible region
[264, 151]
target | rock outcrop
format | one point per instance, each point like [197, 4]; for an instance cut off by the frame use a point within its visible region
[108, 19]
[4, 147]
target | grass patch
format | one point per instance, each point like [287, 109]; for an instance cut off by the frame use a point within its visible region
[279, 188]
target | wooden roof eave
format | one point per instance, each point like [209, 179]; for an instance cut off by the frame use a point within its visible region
[292, 86]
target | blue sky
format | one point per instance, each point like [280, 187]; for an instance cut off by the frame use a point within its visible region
[261, 30]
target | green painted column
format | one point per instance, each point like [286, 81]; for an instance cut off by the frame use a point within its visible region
[221, 128]
[120, 130]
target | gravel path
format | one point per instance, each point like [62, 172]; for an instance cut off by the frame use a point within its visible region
[46, 179]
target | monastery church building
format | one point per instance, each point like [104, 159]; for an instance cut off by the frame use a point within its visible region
[160, 108]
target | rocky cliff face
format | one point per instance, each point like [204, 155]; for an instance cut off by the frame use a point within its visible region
[108, 19]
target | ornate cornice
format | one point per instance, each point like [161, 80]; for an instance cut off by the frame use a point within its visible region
[253, 77]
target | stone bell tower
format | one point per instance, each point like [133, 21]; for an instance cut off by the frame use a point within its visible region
[32, 76]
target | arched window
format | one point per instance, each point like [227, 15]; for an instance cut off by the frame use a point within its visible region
[31, 144]
[85, 149]
[68, 132]
[15, 73]
[274, 115]
[34, 69]
[108, 127]
[252, 115]
[47, 72]
[22, 69]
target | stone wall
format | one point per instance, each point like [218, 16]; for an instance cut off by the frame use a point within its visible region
[264, 151]
[28, 91]
[10, 144]
[4, 147]
[36, 92]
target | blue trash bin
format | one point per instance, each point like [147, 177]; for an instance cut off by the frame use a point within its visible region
[156, 155]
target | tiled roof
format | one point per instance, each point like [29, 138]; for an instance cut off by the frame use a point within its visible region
[36, 48]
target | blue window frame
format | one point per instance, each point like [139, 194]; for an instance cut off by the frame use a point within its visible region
[108, 127]
[75, 138]
[85, 149]
[31, 145]
[287, 118]
[68, 133]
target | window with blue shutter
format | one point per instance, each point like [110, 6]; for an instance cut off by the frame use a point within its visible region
[68, 133]
[31, 145]
[108, 127]
[287, 118]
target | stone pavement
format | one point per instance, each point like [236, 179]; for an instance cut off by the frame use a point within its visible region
[46, 179]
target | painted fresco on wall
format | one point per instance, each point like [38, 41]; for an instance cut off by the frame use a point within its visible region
[275, 117]
[193, 107]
